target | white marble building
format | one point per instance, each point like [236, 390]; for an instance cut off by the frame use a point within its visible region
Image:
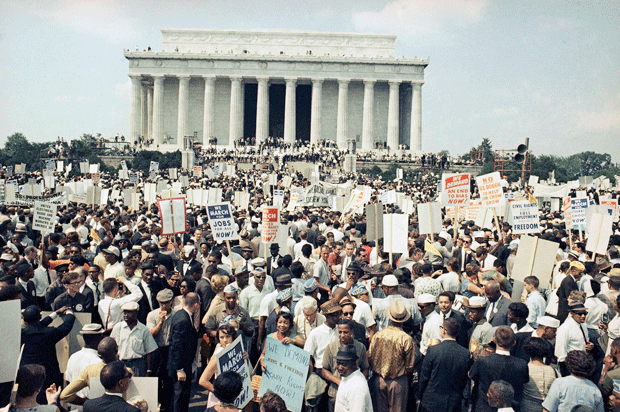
[297, 85]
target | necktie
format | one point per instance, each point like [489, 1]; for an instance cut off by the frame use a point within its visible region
[96, 284]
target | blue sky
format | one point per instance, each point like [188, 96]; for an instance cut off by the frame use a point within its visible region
[505, 70]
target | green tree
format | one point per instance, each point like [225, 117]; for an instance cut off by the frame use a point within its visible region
[18, 149]
[142, 160]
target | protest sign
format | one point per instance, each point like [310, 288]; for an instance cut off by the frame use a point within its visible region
[533, 180]
[578, 208]
[172, 214]
[20, 168]
[230, 170]
[44, 217]
[599, 232]
[145, 388]
[399, 174]
[395, 233]
[94, 168]
[278, 197]
[93, 195]
[153, 167]
[429, 218]
[485, 217]
[388, 196]
[242, 200]
[74, 341]
[270, 224]
[10, 319]
[214, 195]
[471, 211]
[286, 369]
[231, 359]
[286, 181]
[535, 257]
[585, 181]
[374, 221]
[297, 196]
[60, 165]
[96, 178]
[105, 193]
[490, 189]
[315, 196]
[150, 193]
[455, 189]
[123, 174]
[84, 167]
[197, 171]
[613, 205]
[173, 173]
[124, 164]
[133, 177]
[524, 218]
[222, 222]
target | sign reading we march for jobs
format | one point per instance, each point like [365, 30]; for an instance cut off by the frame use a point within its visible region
[222, 222]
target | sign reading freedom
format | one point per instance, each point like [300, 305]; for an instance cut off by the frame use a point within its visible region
[286, 370]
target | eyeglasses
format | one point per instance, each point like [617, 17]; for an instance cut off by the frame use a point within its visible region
[212, 261]
[259, 277]
[347, 313]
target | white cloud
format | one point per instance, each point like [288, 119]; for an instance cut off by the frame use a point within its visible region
[107, 19]
[421, 17]
[604, 120]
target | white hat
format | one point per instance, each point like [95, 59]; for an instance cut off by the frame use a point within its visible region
[548, 321]
[479, 233]
[477, 302]
[444, 235]
[389, 280]
[427, 298]
[188, 249]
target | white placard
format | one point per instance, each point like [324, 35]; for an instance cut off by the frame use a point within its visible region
[10, 319]
[172, 213]
[535, 257]
[524, 217]
[145, 388]
[44, 218]
[278, 197]
[429, 218]
[395, 230]
[94, 168]
[599, 232]
[490, 189]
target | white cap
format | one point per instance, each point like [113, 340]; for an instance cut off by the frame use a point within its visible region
[444, 235]
[427, 298]
[477, 302]
[479, 233]
[548, 321]
[389, 280]
[188, 249]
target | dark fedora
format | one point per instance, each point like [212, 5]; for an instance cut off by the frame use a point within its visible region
[346, 353]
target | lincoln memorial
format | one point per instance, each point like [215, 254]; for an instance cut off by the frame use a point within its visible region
[306, 86]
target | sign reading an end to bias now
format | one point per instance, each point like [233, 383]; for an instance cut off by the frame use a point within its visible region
[222, 222]
[456, 188]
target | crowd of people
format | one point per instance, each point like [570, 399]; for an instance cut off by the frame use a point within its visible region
[442, 327]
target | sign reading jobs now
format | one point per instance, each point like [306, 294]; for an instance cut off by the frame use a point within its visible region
[456, 188]
[221, 221]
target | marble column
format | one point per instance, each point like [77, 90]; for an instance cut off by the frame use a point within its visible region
[290, 109]
[368, 123]
[144, 111]
[208, 124]
[315, 111]
[135, 109]
[415, 139]
[183, 120]
[149, 112]
[158, 110]
[342, 122]
[262, 110]
[235, 111]
[393, 122]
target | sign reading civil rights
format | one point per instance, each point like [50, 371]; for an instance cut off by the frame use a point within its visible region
[44, 218]
[270, 224]
[222, 222]
[490, 187]
[524, 217]
[231, 359]
[286, 369]
[456, 189]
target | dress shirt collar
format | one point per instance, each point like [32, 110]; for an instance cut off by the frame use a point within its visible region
[502, 352]
[120, 395]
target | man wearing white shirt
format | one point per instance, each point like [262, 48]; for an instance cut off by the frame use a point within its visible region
[536, 304]
[92, 334]
[115, 267]
[431, 331]
[353, 393]
[110, 310]
[303, 235]
[572, 335]
[349, 249]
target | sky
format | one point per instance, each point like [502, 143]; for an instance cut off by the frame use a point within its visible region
[503, 70]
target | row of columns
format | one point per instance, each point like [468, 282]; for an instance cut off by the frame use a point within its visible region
[146, 111]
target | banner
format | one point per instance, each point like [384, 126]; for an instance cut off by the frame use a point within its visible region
[456, 189]
[22, 200]
[550, 191]
[286, 369]
[231, 359]
[172, 214]
[490, 189]
[270, 224]
[222, 222]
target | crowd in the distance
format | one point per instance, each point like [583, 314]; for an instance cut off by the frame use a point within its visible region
[442, 327]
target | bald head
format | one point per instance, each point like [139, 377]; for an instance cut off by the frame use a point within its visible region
[108, 350]
[491, 289]
[339, 293]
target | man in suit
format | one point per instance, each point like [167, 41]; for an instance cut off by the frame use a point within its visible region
[149, 286]
[444, 372]
[182, 350]
[498, 366]
[445, 302]
[497, 311]
[39, 340]
[567, 286]
[115, 379]
[189, 264]
[272, 261]
[25, 274]
[463, 253]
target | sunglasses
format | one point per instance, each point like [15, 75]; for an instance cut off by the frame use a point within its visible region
[347, 313]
